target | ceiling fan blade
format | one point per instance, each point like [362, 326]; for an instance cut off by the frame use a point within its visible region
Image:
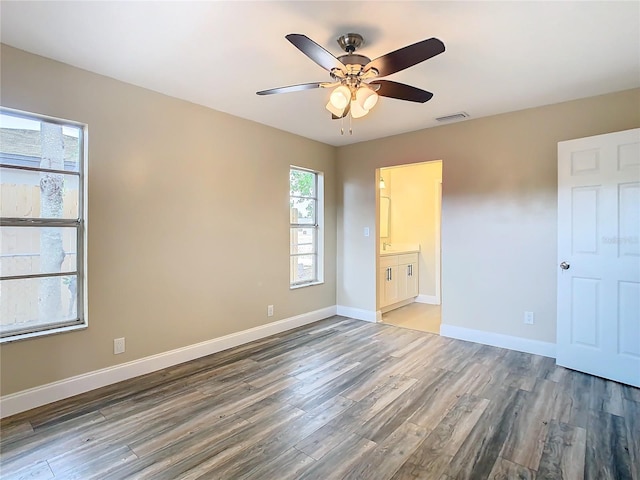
[315, 52]
[291, 88]
[406, 57]
[401, 91]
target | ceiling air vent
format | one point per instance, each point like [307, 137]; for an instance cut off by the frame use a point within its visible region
[453, 116]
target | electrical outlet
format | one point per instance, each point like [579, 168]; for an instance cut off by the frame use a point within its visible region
[528, 318]
[269, 310]
[118, 345]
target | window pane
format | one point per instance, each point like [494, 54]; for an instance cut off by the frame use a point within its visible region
[32, 250]
[308, 248]
[31, 143]
[303, 240]
[33, 302]
[303, 210]
[31, 148]
[303, 269]
[21, 194]
[301, 183]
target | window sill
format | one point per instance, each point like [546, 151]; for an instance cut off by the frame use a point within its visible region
[42, 333]
[302, 285]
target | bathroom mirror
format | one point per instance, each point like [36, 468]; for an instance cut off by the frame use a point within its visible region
[385, 212]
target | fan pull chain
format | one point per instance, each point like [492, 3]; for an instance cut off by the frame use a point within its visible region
[350, 129]
[342, 126]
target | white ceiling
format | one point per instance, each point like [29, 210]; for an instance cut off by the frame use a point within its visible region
[500, 56]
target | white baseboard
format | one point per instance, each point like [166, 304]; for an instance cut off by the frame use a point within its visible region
[399, 304]
[519, 344]
[430, 299]
[357, 313]
[52, 392]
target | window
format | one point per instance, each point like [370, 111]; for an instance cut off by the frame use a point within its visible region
[306, 235]
[42, 225]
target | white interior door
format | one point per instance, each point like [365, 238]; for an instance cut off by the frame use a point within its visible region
[599, 248]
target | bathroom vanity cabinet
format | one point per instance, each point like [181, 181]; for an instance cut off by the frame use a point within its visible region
[398, 278]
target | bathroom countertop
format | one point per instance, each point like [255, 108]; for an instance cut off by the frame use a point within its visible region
[400, 250]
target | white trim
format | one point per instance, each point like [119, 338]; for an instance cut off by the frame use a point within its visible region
[357, 313]
[438, 239]
[52, 392]
[519, 344]
[430, 299]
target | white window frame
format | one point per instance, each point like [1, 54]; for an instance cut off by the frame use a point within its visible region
[80, 224]
[318, 227]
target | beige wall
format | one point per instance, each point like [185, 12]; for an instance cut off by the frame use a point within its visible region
[188, 221]
[412, 189]
[498, 210]
[179, 194]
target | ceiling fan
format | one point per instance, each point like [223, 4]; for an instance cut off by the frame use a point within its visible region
[356, 77]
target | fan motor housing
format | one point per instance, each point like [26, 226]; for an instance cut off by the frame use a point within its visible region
[349, 42]
[354, 59]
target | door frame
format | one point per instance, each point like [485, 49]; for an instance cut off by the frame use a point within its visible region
[438, 240]
[437, 201]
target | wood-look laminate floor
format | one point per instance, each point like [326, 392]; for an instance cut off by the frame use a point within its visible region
[339, 399]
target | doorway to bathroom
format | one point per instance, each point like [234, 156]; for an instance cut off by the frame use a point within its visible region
[409, 256]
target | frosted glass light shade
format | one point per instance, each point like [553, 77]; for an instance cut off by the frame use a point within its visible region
[336, 111]
[366, 97]
[356, 110]
[340, 97]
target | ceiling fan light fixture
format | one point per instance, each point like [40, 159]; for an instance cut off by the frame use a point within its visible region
[366, 97]
[355, 78]
[340, 97]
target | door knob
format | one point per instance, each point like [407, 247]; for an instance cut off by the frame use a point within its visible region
[564, 266]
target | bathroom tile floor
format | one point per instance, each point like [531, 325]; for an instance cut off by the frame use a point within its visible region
[415, 316]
